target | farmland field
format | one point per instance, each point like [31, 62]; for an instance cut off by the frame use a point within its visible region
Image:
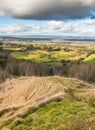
[50, 53]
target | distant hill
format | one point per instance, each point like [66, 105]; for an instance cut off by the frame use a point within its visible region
[47, 38]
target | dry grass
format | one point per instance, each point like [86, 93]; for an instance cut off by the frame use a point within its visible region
[17, 95]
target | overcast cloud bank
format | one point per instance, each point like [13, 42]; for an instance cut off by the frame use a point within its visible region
[48, 9]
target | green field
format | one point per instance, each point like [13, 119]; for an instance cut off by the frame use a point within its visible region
[90, 58]
[49, 52]
[44, 56]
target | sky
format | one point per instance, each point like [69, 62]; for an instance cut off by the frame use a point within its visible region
[47, 17]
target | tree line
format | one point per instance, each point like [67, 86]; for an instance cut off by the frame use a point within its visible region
[12, 67]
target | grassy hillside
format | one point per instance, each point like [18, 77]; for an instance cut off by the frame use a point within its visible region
[47, 103]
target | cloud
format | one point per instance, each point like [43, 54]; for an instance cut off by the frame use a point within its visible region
[64, 28]
[48, 9]
[19, 28]
[89, 22]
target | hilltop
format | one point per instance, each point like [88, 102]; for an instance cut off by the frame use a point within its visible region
[32, 97]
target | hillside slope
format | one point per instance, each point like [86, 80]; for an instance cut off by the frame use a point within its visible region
[23, 96]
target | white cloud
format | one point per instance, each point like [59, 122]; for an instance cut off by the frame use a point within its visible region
[74, 28]
[55, 25]
[89, 22]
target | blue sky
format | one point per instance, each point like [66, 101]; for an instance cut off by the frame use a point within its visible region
[5, 20]
[59, 17]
